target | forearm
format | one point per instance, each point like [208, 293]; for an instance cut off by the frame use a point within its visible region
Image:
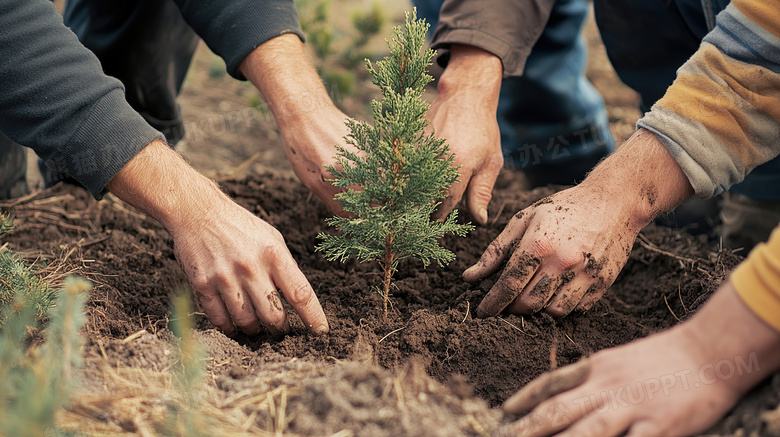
[159, 182]
[473, 76]
[727, 329]
[641, 178]
[720, 117]
[283, 73]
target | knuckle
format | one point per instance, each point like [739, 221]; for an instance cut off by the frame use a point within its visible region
[274, 252]
[496, 163]
[542, 246]
[300, 295]
[273, 319]
[524, 306]
[200, 284]
[596, 427]
[244, 319]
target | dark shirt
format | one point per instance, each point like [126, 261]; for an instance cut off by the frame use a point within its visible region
[506, 28]
[55, 99]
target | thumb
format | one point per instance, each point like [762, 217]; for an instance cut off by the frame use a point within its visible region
[480, 191]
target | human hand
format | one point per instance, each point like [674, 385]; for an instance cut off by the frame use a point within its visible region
[649, 388]
[237, 264]
[676, 383]
[240, 268]
[464, 113]
[563, 253]
[310, 124]
[565, 250]
[310, 144]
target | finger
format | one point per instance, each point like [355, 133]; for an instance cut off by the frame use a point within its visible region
[569, 296]
[540, 290]
[238, 305]
[268, 307]
[215, 309]
[480, 190]
[547, 386]
[298, 292]
[519, 270]
[645, 429]
[588, 301]
[454, 194]
[610, 424]
[498, 250]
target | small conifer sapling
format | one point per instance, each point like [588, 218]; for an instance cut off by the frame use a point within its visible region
[394, 183]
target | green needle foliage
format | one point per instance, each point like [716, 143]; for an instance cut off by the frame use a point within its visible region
[18, 280]
[35, 381]
[186, 418]
[401, 173]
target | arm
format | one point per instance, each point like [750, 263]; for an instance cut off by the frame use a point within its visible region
[55, 99]
[77, 118]
[262, 42]
[720, 118]
[679, 382]
[717, 122]
[479, 43]
[564, 251]
[464, 112]
[236, 263]
[310, 124]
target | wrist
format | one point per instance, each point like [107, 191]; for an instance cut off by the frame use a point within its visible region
[641, 179]
[159, 182]
[726, 329]
[284, 75]
[474, 72]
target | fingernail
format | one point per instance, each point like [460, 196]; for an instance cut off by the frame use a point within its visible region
[321, 330]
[483, 216]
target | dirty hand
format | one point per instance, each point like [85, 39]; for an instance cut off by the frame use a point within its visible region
[464, 113]
[676, 383]
[237, 264]
[563, 252]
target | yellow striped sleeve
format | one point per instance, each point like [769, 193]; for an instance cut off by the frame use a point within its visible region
[757, 280]
[720, 118]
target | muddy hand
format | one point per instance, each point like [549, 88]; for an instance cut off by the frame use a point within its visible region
[562, 253]
[240, 270]
[464, 113]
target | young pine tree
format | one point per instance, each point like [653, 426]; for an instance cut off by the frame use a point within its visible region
[400, 173]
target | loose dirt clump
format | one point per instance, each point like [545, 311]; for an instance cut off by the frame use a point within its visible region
[346, 380]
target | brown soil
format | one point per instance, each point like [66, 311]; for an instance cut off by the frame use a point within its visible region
[359, 377]
[129, 258]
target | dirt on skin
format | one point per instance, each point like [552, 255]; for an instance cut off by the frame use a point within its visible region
[130, 259]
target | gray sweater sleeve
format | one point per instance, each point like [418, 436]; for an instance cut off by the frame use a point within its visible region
[506, 28]
[232, 29]
[55, 98]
